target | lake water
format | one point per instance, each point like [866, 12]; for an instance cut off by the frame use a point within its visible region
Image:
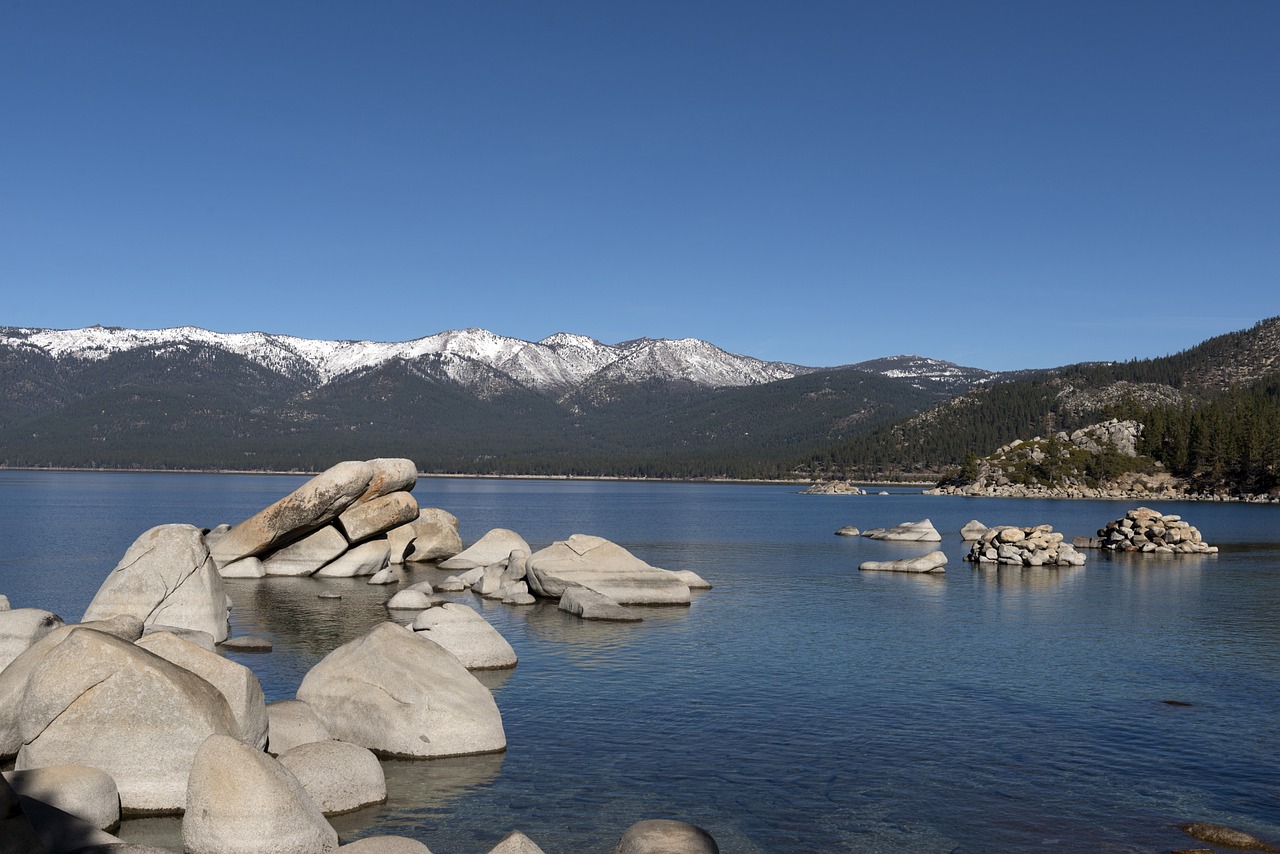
[800, 706]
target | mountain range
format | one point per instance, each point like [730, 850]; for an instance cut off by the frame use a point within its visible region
[460, 400]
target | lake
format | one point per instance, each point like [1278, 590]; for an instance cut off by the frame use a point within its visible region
[800, 706]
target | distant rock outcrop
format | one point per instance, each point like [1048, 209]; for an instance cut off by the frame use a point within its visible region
[833, 487]
[1151, 532]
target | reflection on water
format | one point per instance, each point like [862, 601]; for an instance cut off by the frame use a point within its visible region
[801, 705]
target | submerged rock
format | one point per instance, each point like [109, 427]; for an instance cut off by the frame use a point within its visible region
[1220, 834]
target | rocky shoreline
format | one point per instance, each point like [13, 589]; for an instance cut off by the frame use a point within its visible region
[1096, 494]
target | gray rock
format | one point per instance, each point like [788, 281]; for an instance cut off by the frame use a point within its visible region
[493, 548]
[663, 836]
[204, 640]
[932, 562]
[490, 582]
[166, 578]
[4, 602]
[606, 568]
[339, 777]
[972, 530]
[691, 579]
[916, 532]
[1220, 834]
[306, 555]
[237, 684]
[368, 558]
[292, 723]
[21, 628]
[246, 643]
[422, 587]
[452, 584]
[97, 700]
[435, 536]
[386, 575]
[385, 845]
[241, 801]
[466, 634]
[86, 793]
[409, 600]
[400, 694]
[399, 542]
[390, 474]
[847, 531]
[590, 605]
[245, 567]
[365, 519]
[312, 505]
[515, 842]
[519, 599]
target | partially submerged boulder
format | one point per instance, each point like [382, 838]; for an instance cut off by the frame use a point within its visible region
[339, 777]
[493, 548]
[664, 836]
[166, 577]
[400, 694]
[242, 801]
[590, 605]
[932, 562]
[292, 722]
[915, 532]
[306, 555]
[972, 530]
[435, 536]
[606, 568]
[368, 558]
[98, 700]
[465, 633]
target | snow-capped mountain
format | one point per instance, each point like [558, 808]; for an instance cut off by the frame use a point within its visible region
[557, 363]
[927, 374]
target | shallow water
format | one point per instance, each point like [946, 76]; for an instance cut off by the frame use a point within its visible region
[800, 706]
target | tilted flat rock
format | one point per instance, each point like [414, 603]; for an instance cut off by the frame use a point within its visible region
[400, 694]
[315, 503]
[590, 605]
[491, 549]
[21, 628]
[435, 536]
[468, 635]
[368, 558]
[98, 700]
[237, 684]
[292, 722]
[932, 562]
[85, 792]
[306, 555]
[605, 567]
[166, 577]
[339, 776]
[242, 801]
[663, 836]
[378, 515]
[921, 532]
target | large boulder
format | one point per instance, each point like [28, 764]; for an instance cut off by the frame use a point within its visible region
[365, 559]
[312, 505]
[390, 474]
[915, 532]
[85, 792]
[306, 555]
[339, 777]
[237, 684]
[435, 536]
[167, 578]
[385, 845]
[462, 631]
[292, 723]
[98, 700]
[242, 801]
[491, 549]
[605, 567]
[364, 519]
[664, 836]
[21, 628]
[972, 530]
[400, 694]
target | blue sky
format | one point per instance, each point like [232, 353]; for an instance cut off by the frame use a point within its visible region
[1001, 184]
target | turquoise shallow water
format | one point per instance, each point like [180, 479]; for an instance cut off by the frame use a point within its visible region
[800, 706]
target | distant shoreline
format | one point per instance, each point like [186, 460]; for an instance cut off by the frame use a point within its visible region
[574, 477]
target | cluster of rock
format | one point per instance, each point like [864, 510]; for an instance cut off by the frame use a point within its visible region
[833, 487]
[355, 519]
[1013, 546]
[1149, 531]
[589, 576]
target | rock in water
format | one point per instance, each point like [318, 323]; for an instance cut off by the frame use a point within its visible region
[1220, 834]
[590, 605]
[663, 836]
[390, 474]
[605, 567]
[305, 556]
[399, 694]
[86, 793]
[972, 530]
[241, 801]
[98, 700]
[367, 518]
[922, 531]
[292, 723]
[435, 536]
[932, 562]
[167, 578]
[462, 631]
[515, 842]
[368, 558]
[312, 505]
[491, 549]
[339, 777]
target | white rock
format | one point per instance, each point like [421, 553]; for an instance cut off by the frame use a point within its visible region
[590, 605]
[246, 567]
[493, 548]
[409, 600]
[932, 562]
[292, 723]
[469, 636]
[400, 694]
[368, 558]
[21, 628]
[390, 474]
[377, 515]
[605, 567]
[386, 575]
[339, 777]
[664, 836]
[85, 792]
[435, 536]
[385, 845]
[306, 555]
[691, 579]
[922, 531]
[515, 842]
[241, 801]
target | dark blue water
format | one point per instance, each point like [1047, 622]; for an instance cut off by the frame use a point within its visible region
[800, 706]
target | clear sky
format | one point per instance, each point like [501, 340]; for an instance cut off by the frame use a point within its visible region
[1002, 184]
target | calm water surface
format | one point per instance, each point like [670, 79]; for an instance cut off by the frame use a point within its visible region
[800, 706]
